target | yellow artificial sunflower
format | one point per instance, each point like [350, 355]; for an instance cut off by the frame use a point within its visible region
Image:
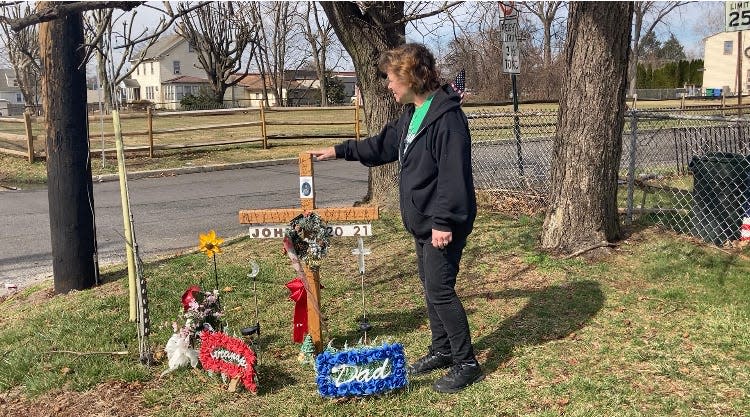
[210, 244]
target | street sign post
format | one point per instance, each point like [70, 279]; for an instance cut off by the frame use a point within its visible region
[512, 66]
[509, 30]
[737, 15]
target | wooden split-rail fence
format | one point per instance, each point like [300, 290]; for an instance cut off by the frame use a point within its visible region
[22, 145]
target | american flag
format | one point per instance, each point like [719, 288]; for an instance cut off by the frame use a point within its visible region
[459, 84]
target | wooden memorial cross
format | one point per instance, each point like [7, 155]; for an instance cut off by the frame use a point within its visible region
[275, 217]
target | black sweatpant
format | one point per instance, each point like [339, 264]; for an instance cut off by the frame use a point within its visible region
[450, 328]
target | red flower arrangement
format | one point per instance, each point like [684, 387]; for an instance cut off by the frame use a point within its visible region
[229, 356]
[189, 296]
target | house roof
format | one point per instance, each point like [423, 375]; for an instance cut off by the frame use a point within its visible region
[7, 75]
[131, 83]
[162, 46]
[186, 79]
[252, 82]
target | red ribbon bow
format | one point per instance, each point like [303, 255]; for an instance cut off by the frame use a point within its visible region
[189, 296]
[298, 294]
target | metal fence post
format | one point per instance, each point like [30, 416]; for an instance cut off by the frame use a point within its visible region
[631, 167]
[356, 118]
[263, 126]
[150, 124]
[517, 127]
[29, 135]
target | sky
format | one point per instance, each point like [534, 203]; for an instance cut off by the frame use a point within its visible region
[689, 23]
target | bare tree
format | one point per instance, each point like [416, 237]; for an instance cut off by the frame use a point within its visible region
[713, 22]
[275, 22]
[319, 35]
[588, 141]
[646, 16]
[23, 52]
[546, 12]
[223, 39]
[107, 31]
[478, 42]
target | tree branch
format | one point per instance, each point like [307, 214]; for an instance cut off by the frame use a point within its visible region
[588, 248]
[412, 17]
[58, 10]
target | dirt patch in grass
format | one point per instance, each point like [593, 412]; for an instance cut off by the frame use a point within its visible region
[109, 399]
[33, 298]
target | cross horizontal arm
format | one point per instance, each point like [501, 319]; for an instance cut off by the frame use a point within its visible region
[270, 216]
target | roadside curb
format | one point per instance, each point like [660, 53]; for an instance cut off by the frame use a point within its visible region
[193, 170]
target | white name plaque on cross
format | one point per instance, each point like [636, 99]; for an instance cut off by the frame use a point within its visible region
[336, 230]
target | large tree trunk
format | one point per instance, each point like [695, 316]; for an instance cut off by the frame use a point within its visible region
[365, 35]
[70, 193]
[588, 140]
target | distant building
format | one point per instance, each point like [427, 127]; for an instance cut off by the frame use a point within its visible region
[248, 92]
[10, 92]
[720, 63]
[12, 102]
[177, 88]
[171, 70]
[167, 60]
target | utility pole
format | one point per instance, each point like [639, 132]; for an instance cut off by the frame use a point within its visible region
[739, 73]
[70, 190]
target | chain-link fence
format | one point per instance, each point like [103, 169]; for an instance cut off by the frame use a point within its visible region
[690, 173]
[512, 151]
[512, 156]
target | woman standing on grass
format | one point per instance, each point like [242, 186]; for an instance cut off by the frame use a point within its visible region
[431, 141]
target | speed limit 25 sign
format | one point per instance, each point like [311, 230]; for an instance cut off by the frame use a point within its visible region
[737, 15]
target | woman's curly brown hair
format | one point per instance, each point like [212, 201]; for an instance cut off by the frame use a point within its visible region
[413, 64]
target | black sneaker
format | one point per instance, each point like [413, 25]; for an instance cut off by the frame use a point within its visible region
[433, 360]
[459, 377]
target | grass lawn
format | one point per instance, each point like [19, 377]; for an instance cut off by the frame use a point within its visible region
[658, 328]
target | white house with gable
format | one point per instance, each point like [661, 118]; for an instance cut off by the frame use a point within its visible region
[720, 63]
[170, 58]
[11, 99]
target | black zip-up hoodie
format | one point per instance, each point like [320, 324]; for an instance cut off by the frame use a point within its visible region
[435, 183]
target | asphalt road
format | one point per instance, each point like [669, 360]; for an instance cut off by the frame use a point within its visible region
[169, 212]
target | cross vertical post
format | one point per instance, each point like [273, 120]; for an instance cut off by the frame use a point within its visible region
[307, 204]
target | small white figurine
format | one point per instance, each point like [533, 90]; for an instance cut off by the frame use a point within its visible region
[179, 353]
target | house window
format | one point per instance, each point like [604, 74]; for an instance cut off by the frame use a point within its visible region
[748, 76]
[191, 48]
[150, 93]
[19, 98]
[137, 70]
[176, 67]
[178, 94]
[152, 68]
[727, 47]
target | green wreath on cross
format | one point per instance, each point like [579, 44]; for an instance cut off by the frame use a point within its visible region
[310, 236]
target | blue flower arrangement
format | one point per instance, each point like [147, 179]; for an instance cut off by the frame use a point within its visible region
[361, 371]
